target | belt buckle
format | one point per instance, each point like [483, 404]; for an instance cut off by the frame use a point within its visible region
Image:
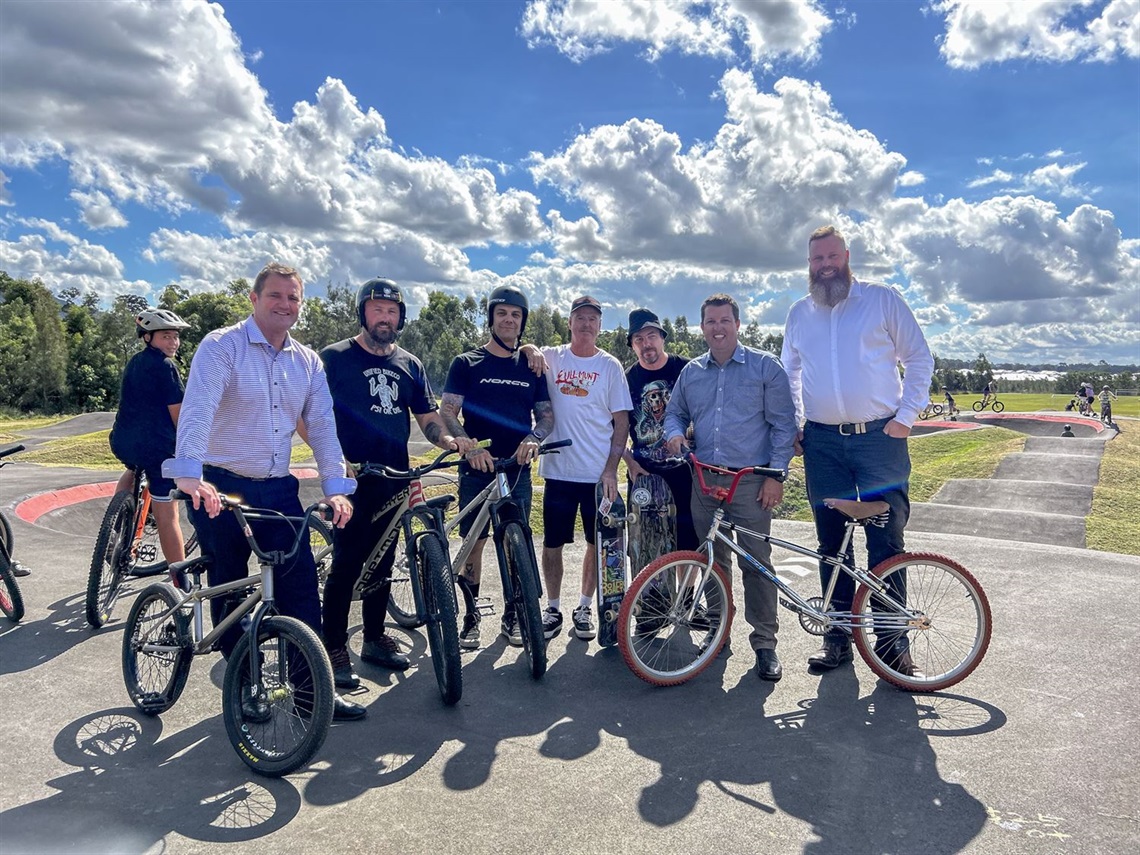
[859, 427]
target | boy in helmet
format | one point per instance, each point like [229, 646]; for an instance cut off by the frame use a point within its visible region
[143, 433]
[375, 385]
[504, 401]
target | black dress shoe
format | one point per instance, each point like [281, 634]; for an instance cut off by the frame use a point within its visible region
[833, 654]
[385, 653]
[768, 665]
[345, 710]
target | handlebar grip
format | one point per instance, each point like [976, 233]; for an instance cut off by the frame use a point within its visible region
[558, 443]
[13, 450]
[776, 474]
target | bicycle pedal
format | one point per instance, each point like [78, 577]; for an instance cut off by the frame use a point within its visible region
[484, 607]
[788, 604]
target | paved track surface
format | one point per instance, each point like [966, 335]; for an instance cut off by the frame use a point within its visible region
[1034, 753]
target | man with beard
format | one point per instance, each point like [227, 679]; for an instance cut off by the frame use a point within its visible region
[843, 345]
[651, 380]
[375, 385]
[501, 398]
[738, 402]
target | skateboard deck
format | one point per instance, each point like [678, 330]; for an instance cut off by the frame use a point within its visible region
[652, 523]
[611, 553]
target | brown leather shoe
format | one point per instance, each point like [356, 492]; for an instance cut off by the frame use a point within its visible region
[905, 666]
[833, 654]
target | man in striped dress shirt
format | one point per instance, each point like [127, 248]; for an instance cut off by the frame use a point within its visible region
[250, 386]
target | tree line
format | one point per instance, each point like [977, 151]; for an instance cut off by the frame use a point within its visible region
[64, 353]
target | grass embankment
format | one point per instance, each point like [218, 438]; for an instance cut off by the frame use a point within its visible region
[1113, 525]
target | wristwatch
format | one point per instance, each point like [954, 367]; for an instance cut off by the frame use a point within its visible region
[539, 434]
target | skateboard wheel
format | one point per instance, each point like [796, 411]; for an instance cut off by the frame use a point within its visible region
[611, 615]
[631, 518]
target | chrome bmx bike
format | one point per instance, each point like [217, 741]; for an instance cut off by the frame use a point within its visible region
[678, 611]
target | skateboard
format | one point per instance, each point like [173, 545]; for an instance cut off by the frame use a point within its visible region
[612, 578]
[652, 522]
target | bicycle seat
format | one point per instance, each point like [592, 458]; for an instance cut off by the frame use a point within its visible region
[440, 502]
[857, 510]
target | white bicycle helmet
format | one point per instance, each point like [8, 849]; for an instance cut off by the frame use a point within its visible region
[153, 320]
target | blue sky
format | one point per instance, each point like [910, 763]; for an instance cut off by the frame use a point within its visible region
[982, 156]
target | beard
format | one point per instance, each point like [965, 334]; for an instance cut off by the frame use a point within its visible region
[828, 290]
[382, 335]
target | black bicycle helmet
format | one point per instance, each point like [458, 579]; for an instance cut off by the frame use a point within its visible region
[511, 296]
[153, 320]
[380, 289]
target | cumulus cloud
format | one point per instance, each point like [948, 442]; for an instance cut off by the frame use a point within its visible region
[97, 211]
[991, 31]
[63, 260]
[152, 103]
[782, 163]
[911, 178]
[584, 28]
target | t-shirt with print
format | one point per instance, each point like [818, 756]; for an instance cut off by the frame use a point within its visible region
[499, 394]
[650, 391]
[372, 399]
[584, 394]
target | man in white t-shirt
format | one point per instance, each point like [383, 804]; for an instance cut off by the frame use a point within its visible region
[591, 405]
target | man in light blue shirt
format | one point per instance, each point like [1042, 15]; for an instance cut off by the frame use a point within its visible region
[740, 405]
[250, 386]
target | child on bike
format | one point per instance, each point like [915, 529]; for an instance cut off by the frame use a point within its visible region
[143, 433]
[951, 407]
[1107, 396]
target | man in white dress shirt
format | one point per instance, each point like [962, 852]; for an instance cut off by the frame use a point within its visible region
[843, 345]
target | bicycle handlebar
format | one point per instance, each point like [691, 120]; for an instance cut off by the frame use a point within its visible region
[726, 493]
[12, 450]
[442, 461]
[245, 512]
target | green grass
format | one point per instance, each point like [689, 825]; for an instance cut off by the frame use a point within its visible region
[1113, 525]
[89, 450]
[1023, 402]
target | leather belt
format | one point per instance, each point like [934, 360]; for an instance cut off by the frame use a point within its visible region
[853, 428]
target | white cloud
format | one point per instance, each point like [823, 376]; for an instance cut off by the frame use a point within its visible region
[769, 30]
[998, 176]
[5, 193]
[97, 211]
[152, 103]
[62, 260]
[911, 178]
[985, 31]
[1053, 180]
[782, 163]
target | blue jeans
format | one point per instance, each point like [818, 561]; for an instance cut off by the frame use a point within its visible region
[224, 544]
[870, 467]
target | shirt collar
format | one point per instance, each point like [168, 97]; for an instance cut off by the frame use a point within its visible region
[256, 336]
[705, 359]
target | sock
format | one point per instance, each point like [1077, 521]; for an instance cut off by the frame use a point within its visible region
[555, 604]
[583, 600]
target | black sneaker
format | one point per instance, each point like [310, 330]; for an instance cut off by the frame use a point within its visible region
[343, 675]
[385, 653]
[551, 622]
[469, 636]
[19, 569]
[510, 628]
[584, 623]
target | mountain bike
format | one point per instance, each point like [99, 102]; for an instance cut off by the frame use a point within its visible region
[277, 694]
[677, 614]
[126, 547]
[11, 600]
[429, 595]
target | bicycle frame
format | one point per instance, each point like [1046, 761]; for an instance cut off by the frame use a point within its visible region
[895, 616]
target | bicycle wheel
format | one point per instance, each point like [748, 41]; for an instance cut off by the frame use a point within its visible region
[442, 632]
[977, 406]
[524, 578]
[11, 600]
[157, 650]
[402, 602]
[658, 639]
[111, 560]
[936, 409]
[998, 406]
[278, 726]
[6, 535]
[949, 637]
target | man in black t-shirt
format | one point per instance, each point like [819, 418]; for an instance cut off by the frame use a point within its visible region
[651, 381]
[375, 385]
[501, 398]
